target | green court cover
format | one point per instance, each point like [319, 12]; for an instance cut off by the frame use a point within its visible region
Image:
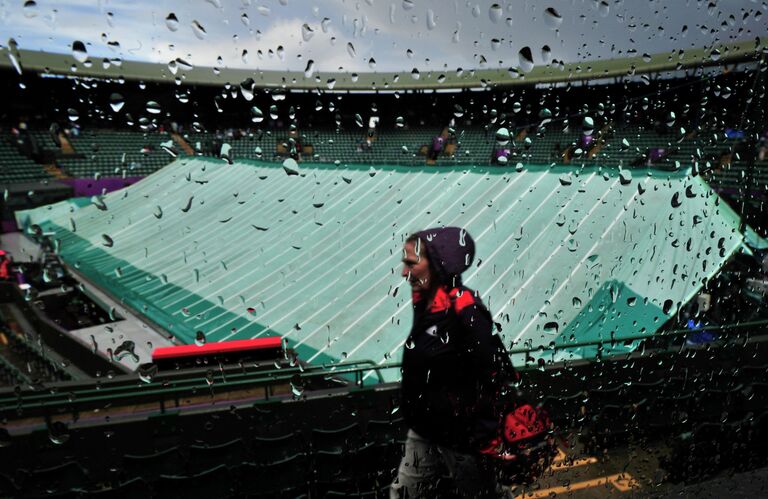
[312, 252]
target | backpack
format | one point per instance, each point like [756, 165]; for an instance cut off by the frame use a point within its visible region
[523, 446]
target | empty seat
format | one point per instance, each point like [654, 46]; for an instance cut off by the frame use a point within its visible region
[135, 488]
[384, 431]
[276, 449]
[215, 482]
[150, 466]
[331, 469]
[8, 486]
[58, 479]
[206, 457]
[336, 439]
[282, 478]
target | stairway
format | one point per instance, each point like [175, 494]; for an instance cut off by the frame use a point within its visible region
[54, 171]
[182, 143]
[66, 145]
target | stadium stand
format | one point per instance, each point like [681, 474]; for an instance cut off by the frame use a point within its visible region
[116, 153]
[619, 250]
[15, 167]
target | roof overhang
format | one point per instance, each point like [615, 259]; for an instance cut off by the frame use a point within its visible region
[555, 72]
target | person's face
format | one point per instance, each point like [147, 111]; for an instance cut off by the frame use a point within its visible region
[416, 267]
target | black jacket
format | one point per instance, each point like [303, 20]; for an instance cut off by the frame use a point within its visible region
[451, 363]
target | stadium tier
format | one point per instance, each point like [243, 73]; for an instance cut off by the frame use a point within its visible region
[311, 252]
[16, 168]
[238, 242]
[110, 153]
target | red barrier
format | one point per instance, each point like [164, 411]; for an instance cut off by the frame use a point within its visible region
[184, 351]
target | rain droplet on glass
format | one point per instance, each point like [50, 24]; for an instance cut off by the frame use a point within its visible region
[198, 30]
[552, 17]
[78, 51]
[525, 59]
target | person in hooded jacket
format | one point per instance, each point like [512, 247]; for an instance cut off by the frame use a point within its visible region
[450, 372]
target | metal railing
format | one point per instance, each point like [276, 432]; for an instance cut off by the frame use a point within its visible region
[171, 388]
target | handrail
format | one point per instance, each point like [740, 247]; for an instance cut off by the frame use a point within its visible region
[125, 388]
[21, 404]
[660, 334]
[128, 384]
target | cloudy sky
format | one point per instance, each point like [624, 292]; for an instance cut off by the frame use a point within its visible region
[398, 35]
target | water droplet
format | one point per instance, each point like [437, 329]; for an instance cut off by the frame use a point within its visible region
[58, 433]
[200, 338]
[546, 54]
[351, 50]
[495, 12]
[78, 51]
[625, 177]
[153, 107]
[126, 349]
[198, 30]
[330, 83]
[73, 115]
[172, 22]
[551, 327]
[458, 111]
[676, 200]
[257, 116]
[291, 167]
[502, 136]
[307, 32]
[431, 22]
[525, 57]
[576, 302]
[552, 17]
[670, 120]
[667, 307]
[372, 63]
[310, 69]
[565, 179]
[572, 245]
[624, 145]
[116, 102]
[408, 4]
[632, 301]
[409, 344]
[147, 372]
[183, 64]
[587, 125]
[415, 74]
[107, 241]
[30, 9]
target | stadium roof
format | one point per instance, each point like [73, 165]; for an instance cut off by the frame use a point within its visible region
[564, 255]
[53, 64]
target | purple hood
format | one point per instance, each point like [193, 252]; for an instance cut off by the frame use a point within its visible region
[450, 250]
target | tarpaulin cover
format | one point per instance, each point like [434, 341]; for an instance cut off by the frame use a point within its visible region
[564, 254]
